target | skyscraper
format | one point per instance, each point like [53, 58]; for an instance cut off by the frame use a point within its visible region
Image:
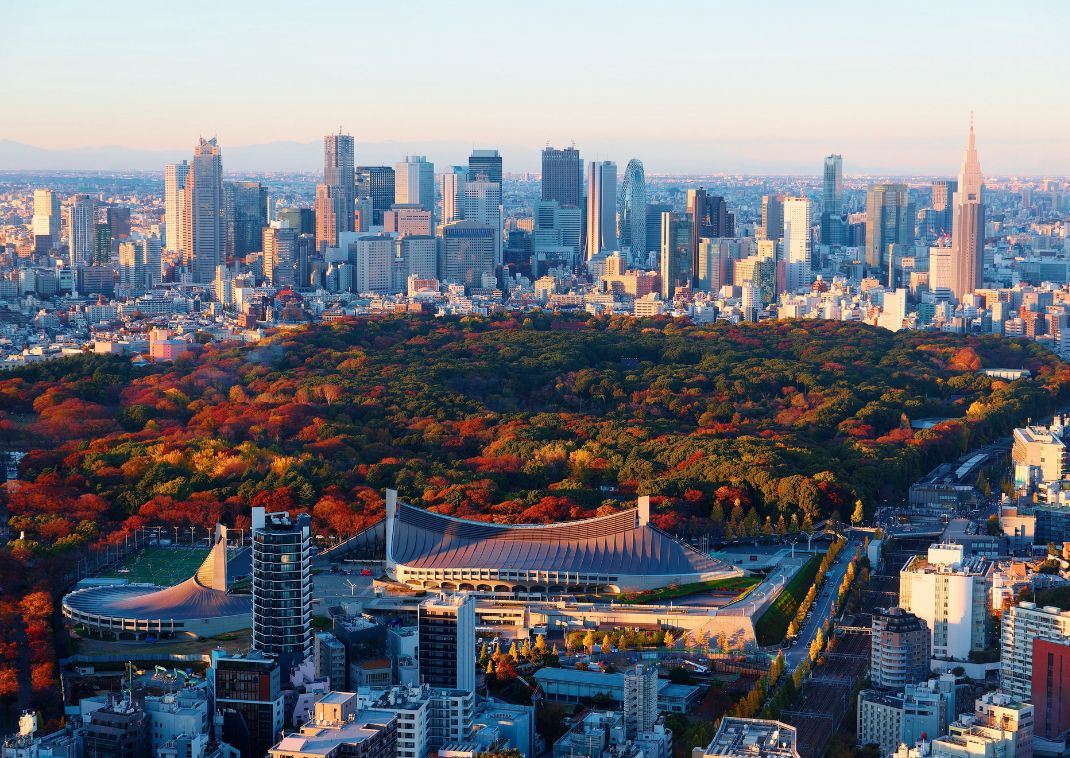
[601, 207]
[81, 229]
[676, 257]
[245, 215]
[772, 217]
[832, 228]
[174, 185]
[562, 176]
[968, 225]
[280, 254]
[709, 218]
[889, 221]
[797, 242]
[447, 642]
[487, 162]
[282, 586]
[451, 186]
[330, 210]
[338, 172]
[632, 210]
[640, 704]
[466, 252]
[377, 183]
[483, 204]
[204, 211]
[415, 182]
[46, 220]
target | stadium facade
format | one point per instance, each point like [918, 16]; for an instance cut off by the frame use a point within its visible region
[200, 606]
[621, 552]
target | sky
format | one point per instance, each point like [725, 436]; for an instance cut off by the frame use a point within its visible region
[756, 86]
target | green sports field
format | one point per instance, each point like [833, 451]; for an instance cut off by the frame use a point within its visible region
[159, 565]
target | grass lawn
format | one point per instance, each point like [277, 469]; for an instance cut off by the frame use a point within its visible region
[738, 584]
[771, 627]
[159, 565]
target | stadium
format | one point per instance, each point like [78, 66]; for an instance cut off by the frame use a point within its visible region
[621, 552]
[200, 606]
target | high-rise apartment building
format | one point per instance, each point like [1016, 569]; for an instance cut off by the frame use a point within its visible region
[451, 187]
[174, 193]
[968, 225]
[377, 184]
[640, 701]
[282, 586]
[952, 593]
[487, 163]
[1022, 625]
[832, 223]
[562, 176]
[447, 645]
[772, 217]
[631, 210]
[415, 182]
[797, 243]
[901, 649]
[81, 229]
[889, 221]
[1051, 688]
[46, 220]
[203, 211]
[245, 216]
[601, 207]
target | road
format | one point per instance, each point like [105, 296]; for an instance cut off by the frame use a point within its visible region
[822, 606]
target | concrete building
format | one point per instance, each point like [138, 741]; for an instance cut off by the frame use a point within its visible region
[120, 730]
[640, 700]
[890, 718]
[203, 213]
[448, 642]
[1038, 455]
[340, 729]
[1022, 625]
[968, 225]
[797, 243]
[248, 697]
[1051, 688]
[900, 649]
[562, 176]
[999, 711]
[890, 220]
[415, 182]
[282, 586]
[329, 656]
[174, 205]
[748, 738]
[46, 222]
[952, 593]
[601, 207]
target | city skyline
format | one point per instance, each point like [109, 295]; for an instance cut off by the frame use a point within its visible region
[415, 103]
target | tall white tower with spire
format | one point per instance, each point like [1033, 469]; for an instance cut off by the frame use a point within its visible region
[968, 225]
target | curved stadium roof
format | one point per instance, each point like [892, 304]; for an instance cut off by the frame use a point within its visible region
[614, 544]
[188, 600]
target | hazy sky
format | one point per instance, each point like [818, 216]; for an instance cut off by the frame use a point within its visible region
[734, 86]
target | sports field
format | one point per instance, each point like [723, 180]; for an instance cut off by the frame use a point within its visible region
[159, 565]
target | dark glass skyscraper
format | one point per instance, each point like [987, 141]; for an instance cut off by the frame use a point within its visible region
[709, 218]
[245, 212]
[889, 221]
[338, 172]
[562, 176]
[376, 183]
[631, 209]
[487, 162]
[832, 223]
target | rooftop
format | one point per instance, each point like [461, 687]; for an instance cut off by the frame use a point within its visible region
[748, 738]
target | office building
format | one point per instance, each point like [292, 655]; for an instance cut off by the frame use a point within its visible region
[889, 221]
[601, 208]
[301, 219]
[404, 220]
[483, 205]
[377, 184]
[132, 265]
[154, 267]
[46, 220]
[968, 225]
[485, 163]
[631, 210]
[713, 264]
[797, 243]
[1038, 454]
[248, 695]
[282, 587]
[330, 215]
[120, 730]
[1051, 688]
[748, 738]
[340, 729]
[415, 182]
[174, 186]
[338, 172]
[676, 260]
[888, 718]
[466, 252]
[640, 704]
[102, 239]
[1022, 625]
[772, 217]
[203, 214]
[280, 254]
[952, 594]
[420, 254]
[654, 214]
[709, 218]
[375, 255]
[901, 648]
[81, 229]
[451, 187]
[562, 176]
[832, 222]
[447, 643]
[942, 204]
[245, 216]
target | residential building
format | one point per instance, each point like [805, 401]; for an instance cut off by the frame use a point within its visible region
[280, 254]
[340, 729]
[952, 593]
[1038, 454]
[81, 228]
[119, 730]
[1022, 624]
[797, 243]
[1051, 688]
[448, 641]
[888, 718]
[999, 711]
[901, 648]
[174, 182]
[640, 700]
[329, 657]
[282, 586]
